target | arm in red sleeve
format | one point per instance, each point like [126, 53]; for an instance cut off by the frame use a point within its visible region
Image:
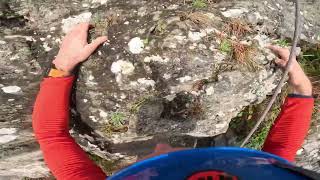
[63, 155]
[290, 128]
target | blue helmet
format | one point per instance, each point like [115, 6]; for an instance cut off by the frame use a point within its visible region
[214, 164]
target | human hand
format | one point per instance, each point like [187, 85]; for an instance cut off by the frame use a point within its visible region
[297, 78]
[75, 48]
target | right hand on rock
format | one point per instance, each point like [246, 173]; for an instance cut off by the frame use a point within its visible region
[298, 80]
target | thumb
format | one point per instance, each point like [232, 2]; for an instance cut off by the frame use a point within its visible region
[90, 48]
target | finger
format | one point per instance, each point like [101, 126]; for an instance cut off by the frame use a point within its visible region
[280, 62]
[274, 48]
[90, 48]
[282, 52]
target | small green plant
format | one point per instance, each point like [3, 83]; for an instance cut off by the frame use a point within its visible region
[310, 62]
[146, 41]
[282, 43]
[258, 139]
[161, 26]
[199, 3]
[117, 119]
[225, 46]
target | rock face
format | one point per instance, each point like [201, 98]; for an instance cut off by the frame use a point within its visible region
[171, 72]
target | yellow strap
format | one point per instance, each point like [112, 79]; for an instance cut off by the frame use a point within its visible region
[56, 73]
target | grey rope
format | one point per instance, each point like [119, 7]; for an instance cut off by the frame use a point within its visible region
[296, 35]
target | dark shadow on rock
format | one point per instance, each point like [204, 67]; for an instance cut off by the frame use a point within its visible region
[144, 148]
[157, 115]
[81, 127]
[8, 18]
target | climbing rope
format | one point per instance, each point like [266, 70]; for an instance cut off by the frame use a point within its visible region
[296, 36]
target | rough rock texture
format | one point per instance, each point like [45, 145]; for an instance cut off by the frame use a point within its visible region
[162, 77]
[309, 155]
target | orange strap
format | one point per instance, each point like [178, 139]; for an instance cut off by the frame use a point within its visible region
[57, 73]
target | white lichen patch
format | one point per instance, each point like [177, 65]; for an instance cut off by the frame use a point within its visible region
[180, 39]
[184, 79]
[143, 84]
[91, 78]
[69, 23]
[195, 36]
[93, 118]
[4, 131]
[210, 91]
[103, 114]
[7, 135]
[46, 47]
[99, 1]
[232, 13]
[136, 45]
[122, 67]
[167, 76]
[156, 58]
[11, 89]
[146, 82]
[7, 138]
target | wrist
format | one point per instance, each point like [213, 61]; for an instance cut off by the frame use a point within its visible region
[55, 71]
[299, 81]
[62, 66]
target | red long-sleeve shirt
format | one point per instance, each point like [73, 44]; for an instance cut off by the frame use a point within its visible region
[67, 160]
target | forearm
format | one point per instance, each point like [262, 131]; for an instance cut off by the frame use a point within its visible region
[51, 110]
[62, 154]
[290, 128]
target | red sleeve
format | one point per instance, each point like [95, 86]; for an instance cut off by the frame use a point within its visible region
[290, 128]
[50, 119]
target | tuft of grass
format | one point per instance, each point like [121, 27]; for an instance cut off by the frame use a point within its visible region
[160, 27]
[116, 124]
[199, 3]
[226, 46]
[237, 28]
[117, 119]
[244, 54]
[134, 108]
[310, 62]
[282, 43]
